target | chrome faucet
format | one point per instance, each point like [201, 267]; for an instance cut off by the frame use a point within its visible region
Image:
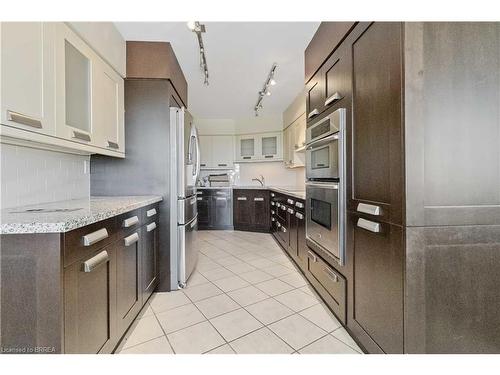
[261, 180]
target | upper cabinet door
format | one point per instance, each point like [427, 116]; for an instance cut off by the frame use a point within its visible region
[108, 107]
[337, 74]
[28, 75]
[315, 96]
[74, 67]
[246, 149]
[222, 151]
[205, 151]
[377, 144]
[271, 146]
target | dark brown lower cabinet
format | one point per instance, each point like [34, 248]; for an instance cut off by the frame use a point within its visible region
[251, 210]
[329, 283]
[376, 289]
[83, 288]
[128, 283]
[301, 239]
[214, 209]
[90, 303]
[150, 257]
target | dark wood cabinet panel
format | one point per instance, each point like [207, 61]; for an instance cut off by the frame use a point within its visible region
[315, 97]
[90, 303]
[376, 148]
[149, 258]
[301, 241]
[328, 36]
[128, 290]
[376, 287]
[330, 284]
[260, 214]
[242, 209]
[251, 210]
[337, 77]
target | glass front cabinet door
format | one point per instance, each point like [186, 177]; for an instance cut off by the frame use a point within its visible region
[74, 69]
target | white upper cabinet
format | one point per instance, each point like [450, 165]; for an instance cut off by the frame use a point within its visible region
[205, 151]
[294, 125]
[217, 151]
[57, 92]
[246, 147]
[259, 147]
[28, 76]
[222, 151]
[108, 108]
[74, 75]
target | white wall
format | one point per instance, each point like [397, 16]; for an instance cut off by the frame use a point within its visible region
[258, 124]
[275, 174]
[30, 176]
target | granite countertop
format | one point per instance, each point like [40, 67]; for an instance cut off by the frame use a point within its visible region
[72, 214]
[293, 191]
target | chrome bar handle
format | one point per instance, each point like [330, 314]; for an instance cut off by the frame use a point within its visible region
[199, 198]
[151, 212]
[331, 275]
[133, 238]
[313, 113]
[242, 198]
[113, 145]
[299, 216]
[299, 205]
[96, 261]
[369, 225]
[291, 211]
[324, 185]
[131, 221]
[24, 120]
[312, 256]
[283, 229]
[94, 237]
[81, 136]
[150, 227]
[258, 199]
[369, 209]
[333, 98]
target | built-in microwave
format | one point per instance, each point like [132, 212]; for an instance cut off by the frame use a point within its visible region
[325, 150]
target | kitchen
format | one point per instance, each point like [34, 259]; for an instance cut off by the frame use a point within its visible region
[344, 200]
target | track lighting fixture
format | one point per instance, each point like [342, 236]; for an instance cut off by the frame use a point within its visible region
[198, 29]
[270, 81]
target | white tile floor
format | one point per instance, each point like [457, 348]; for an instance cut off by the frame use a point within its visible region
[246, 296]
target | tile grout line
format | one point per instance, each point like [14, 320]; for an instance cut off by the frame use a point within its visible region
[294, 288]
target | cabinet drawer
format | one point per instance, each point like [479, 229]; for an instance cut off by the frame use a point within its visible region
[81, 242]
[328, 283]
[150, 213]
[130, 221]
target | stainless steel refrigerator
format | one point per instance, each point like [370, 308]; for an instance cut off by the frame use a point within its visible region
[162, 158]
[185, 166]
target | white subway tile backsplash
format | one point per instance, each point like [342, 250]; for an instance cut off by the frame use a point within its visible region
[30, 176]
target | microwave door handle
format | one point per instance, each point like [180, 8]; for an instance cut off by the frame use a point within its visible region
[322, 141]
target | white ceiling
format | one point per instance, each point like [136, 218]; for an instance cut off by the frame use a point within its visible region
[239, 57]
